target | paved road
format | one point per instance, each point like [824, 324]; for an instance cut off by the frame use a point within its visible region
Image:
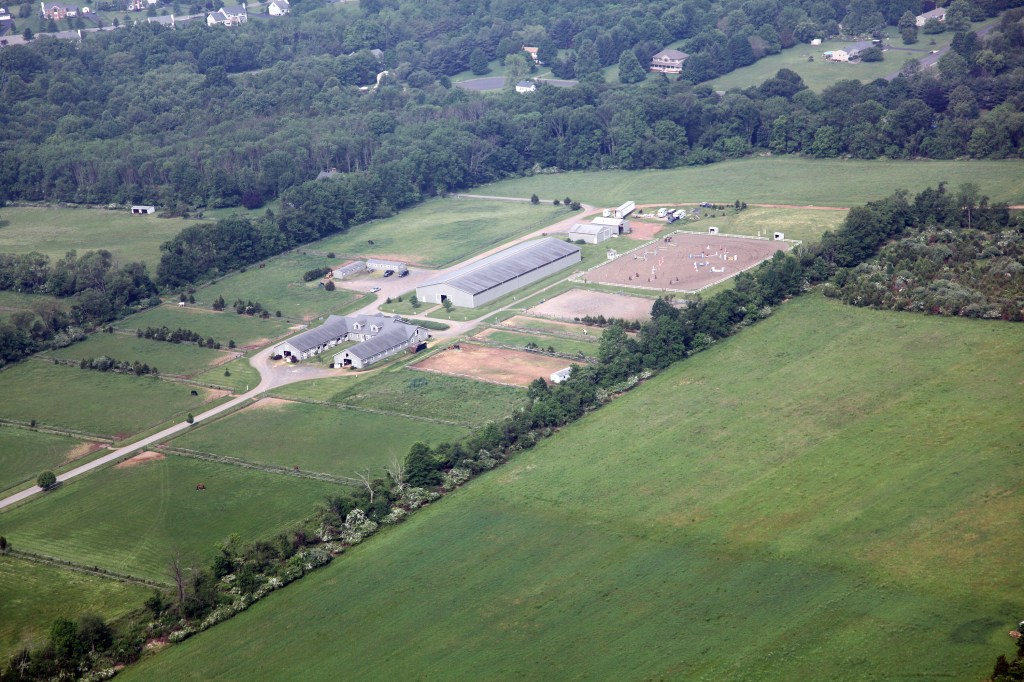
[934, 55]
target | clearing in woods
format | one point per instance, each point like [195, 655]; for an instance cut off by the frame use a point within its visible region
[770, 180]
[509, 367]
[132, 520]
[55, 231]
[442, 231]
[738, 492]
[578, 303]
[34, 595]
[316, 437]
[685, 262]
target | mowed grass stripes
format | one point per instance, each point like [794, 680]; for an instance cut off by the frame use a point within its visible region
[834, 493]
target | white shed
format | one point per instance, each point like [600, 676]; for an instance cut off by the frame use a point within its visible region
[143, 210]
[561, 375]
[592, 233]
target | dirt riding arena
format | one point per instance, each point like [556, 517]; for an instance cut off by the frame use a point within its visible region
[685, 262]
[581, 302]
[497, 366]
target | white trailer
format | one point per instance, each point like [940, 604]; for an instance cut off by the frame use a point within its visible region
[624, 210]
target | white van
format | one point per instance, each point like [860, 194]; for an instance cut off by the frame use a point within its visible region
[661, 212]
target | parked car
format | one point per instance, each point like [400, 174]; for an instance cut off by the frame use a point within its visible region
[374, 290]
[403, 273]
[661, 212]
[388, 273]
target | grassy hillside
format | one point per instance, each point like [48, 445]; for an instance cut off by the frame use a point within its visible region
[186, 359]
[55, 231]
[771, 180]
[24, 454]
[832, 494]
[133, 519]
[33, 596]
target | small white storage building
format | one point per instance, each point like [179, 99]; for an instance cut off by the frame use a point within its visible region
[561, 375]
[592, 233]
[621, 225]
[143, 210]
[384, 265]
[494, 276]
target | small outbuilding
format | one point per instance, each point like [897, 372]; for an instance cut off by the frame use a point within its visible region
[621, 225]
[592, 233]
[526, 86]
[561, 375]
[143, 210]
[385, 265]
[779, 236]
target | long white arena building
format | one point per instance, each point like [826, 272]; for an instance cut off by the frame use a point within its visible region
[489, 278]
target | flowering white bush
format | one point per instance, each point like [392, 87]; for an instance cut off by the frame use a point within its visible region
[181, 635]
[357, 527]
[414, 498]
[456, 477]
[396, 515]
[98, 675]
[325, 533]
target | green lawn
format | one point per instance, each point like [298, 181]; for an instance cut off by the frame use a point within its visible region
[834, 494]
[97, 402]
[820, 74]
[771, 180]
[442, 231]
[279, 286]
[805, 225]
[243, 375]
[559, 343]
[34, 595]
[432, 395]
[25, 454]
[222, 326]
[186, 359]
[13, 301]
[315, 437]
[55, 231]
[133, 519]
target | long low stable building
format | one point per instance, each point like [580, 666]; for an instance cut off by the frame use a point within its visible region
[489, 278]
[379, 336]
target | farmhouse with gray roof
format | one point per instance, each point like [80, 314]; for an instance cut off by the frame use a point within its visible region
[489, 278]
[379, 336]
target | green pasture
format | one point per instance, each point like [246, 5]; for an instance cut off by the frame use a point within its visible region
[316, 437]
[542, 325]
[803, 224]
[771, 180]
[820, 74]
[35, 595]
[25, 454]
[132, 520]
[243, 375]
[442, 231]
[279, 286]
[96, 402]
[545, 341]
[223, 326]
[185, 359]
[13, 301]
[831, 494]
[427, 394]
[55, 231]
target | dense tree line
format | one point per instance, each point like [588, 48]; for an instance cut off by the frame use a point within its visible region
[961, 257]
[96, 289]
[197, 117]
[107, 364]
[179, 335]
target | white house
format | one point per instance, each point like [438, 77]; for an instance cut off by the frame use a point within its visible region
[229, 15]
[838, 56]
[938, 13]
[592, 233]
[278, 8]
[526, 86]
[668, 61]
[143, 210]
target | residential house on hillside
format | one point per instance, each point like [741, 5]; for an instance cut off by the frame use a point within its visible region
[855, 49]
[526, 86]
[135, 5]
[278, 8]
[57, 11]
[668, 61]
[532, 51]
[229, 15]
[938, 13]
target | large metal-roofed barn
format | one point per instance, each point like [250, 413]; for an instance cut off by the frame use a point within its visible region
[494, 276]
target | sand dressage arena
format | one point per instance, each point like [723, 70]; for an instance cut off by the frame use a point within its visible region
[498, 366]
[581, 302]
[685, 261]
